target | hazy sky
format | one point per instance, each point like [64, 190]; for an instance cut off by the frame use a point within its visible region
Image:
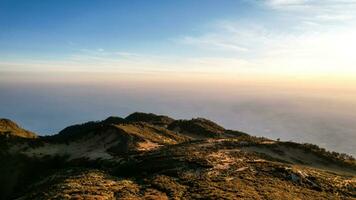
[277, 37]
[275, 68]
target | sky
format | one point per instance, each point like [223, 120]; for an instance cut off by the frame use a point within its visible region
[305, 38]
[276, 68]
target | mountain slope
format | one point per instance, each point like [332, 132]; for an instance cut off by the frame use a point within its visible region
[148, 156]
[214, 169]
[10, 128]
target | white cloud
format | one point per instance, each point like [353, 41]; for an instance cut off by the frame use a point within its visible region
[213, 42]
[126, 54]
[315, 3]
[286, 2]
[335, 17]
[317, 10]
[316, 37]
[314, 50]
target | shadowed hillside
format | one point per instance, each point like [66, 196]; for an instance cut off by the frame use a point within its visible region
[148, 156]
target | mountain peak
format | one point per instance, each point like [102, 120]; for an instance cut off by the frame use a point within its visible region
[114, 120]
[197, 126]
[149, 118]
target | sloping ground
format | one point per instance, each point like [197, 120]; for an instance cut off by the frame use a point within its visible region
[93, 146]
[197, 170]
[200, 128]
[10, 128]
[105, 141]
[299, 156]
[163, 158]
[153, 133]
[84, 184]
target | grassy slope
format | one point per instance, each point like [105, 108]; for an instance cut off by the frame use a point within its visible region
[160, 158]
[10, 128]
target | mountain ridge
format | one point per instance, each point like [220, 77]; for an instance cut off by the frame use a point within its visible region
[148, 156]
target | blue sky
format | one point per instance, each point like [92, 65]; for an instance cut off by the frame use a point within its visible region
[273, 37]
[62, 27]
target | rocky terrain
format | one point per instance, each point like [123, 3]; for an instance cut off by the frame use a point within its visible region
[148, 156]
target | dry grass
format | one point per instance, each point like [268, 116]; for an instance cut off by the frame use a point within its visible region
[192, 159]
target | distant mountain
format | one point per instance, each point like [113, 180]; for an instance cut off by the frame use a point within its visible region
[10, 128]
[148, 156]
